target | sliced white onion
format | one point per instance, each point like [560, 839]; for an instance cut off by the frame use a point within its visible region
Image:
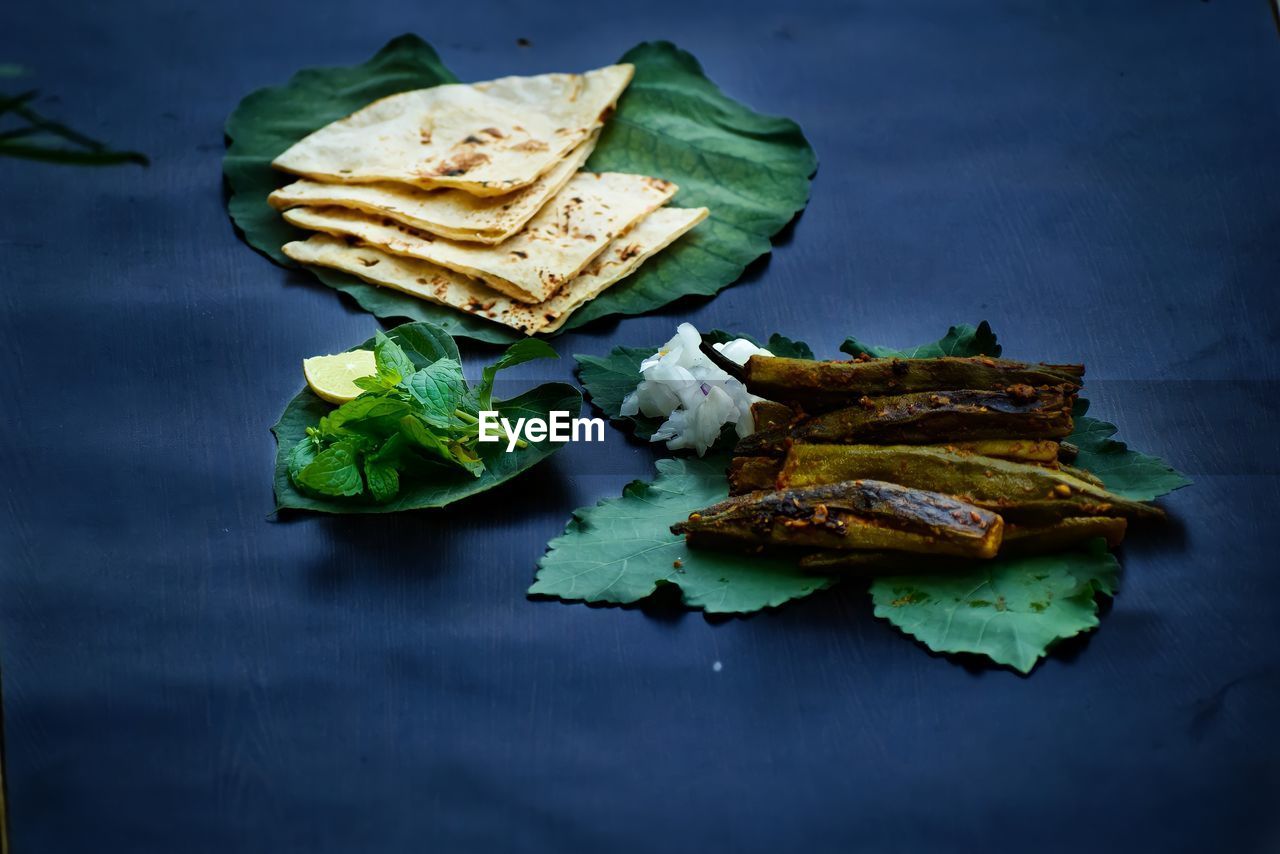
[697, 398]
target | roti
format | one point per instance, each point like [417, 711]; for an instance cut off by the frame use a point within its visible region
[485, 138]
[445, 287]
[555, 246]
[454, 214]
[622, 257]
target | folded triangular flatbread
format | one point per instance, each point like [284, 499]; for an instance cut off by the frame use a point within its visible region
[620, 259]
[560, 240]
[454, 214]
[445, 287]
[485, 138]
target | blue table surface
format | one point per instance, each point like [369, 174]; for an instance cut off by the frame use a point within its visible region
[183, 672]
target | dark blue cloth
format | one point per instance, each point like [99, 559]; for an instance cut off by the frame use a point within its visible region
[183, 673]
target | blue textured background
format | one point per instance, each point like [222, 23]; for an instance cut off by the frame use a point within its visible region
[183, 673]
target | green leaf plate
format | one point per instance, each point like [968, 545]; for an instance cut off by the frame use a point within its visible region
[753, 171]
[622, 550]
[1011, 610]
[424, 343]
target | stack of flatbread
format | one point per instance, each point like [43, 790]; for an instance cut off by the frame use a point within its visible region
[471, 196]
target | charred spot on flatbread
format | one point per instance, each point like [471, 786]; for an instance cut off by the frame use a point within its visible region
[460, 164]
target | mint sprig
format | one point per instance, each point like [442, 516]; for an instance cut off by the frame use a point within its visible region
[406, 416]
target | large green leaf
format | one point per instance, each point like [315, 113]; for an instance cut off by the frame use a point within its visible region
[1011, 610]
[609, 378]
[751, 170]
[433, 485]
[1124, 471]
[622, 550]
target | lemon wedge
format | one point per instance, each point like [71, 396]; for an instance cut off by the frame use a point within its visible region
[333, 378]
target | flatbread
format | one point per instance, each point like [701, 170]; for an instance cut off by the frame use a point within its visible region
[622, 257]
[485, 138]
[454, 214]
[445, 287]
[554, 247]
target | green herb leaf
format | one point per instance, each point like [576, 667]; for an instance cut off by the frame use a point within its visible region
[373, 383]
[302, 455]
[622, 549]
[440, 447]
[393, 365]
[334, 471]
[518, 353]
[368, 413]
[425, 343]
[422, 484]
[962, 340]
[1011, 610]
[383, 479]
[439, 387]
[753, 172]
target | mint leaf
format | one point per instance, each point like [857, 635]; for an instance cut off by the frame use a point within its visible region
[302, 455]
[439, 387]
[368, 413]
[443, 448]
[518, 353]
[393, 364]
[441, 467]
[373, 383]
[425, 343]
[961, 340]
[334, 471]
[382, 478]
[622, 550]
[1012, 610]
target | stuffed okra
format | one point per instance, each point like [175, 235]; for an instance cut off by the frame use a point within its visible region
[1021, 493]
[929, 417]
[818, 386]
[753, 473]
[1018, 540]
[854, 514]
